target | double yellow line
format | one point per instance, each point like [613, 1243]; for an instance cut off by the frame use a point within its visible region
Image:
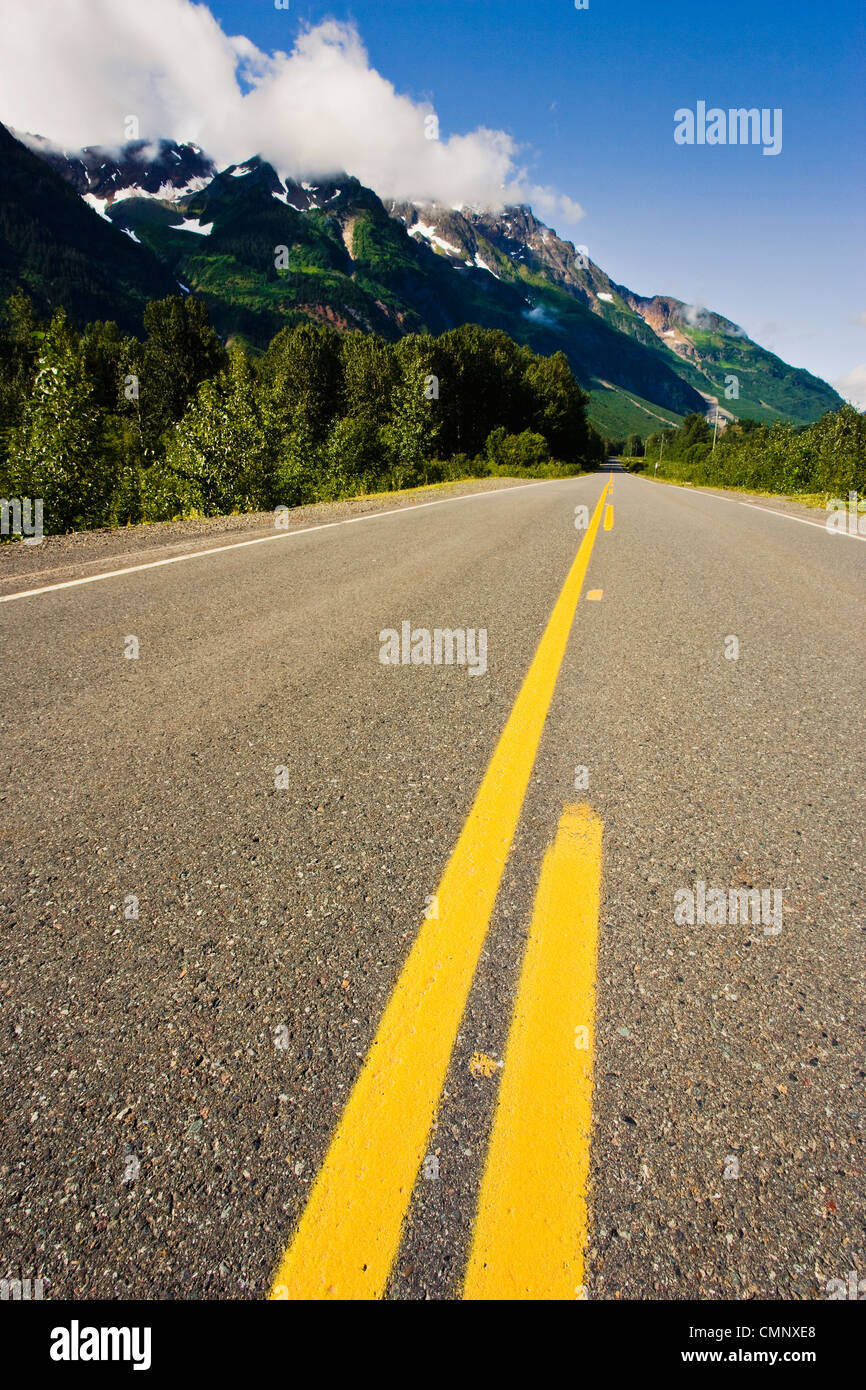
[349, 1233]
[530, 1231]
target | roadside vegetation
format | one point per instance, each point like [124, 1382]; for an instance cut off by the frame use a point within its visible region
[826, 459]
[110, 430]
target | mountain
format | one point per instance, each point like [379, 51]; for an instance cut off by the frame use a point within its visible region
[161, 169]
[701, 346]
[710, 348]
[358, 264]
[349, 263]
[61, 253]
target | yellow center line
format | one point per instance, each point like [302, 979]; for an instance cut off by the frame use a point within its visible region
[608, 517]
[349, 1232]
[530, 1231]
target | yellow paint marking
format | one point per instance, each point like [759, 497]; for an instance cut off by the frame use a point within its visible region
[482, 1065]
[530, 1231]
[349, 1232]
[608, 518]
[595, 594]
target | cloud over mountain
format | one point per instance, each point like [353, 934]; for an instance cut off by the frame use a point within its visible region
[75, 71]
[852, 386]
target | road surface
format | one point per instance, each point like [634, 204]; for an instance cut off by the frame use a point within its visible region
[225, 855]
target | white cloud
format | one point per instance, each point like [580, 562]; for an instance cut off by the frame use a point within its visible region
[541, 315]
[859, 318]
[75, 71]
[852, 386]
[698, 316]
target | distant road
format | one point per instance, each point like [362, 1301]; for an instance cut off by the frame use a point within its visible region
[266, 901]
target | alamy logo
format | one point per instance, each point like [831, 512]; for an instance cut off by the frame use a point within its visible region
[77, 1343]
[25, 516]
[714, 907]
[445, 646]
[22, 1290]
[847, 520]
[854, 1288]
[737, 126]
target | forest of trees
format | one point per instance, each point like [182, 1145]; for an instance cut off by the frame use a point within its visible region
[828, 457]
[108, 430]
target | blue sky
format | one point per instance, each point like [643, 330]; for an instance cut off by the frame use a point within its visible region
[776, 243]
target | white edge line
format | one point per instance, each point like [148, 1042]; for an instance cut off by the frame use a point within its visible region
[281, 536]
[804, 521]
[756, 507]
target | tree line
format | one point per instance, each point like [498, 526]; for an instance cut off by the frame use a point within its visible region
[827, 457]
[108, 429]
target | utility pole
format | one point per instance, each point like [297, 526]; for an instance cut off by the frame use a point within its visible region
[659, 459]
[715, 428]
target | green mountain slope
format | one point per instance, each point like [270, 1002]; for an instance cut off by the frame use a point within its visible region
[712, 350]
[617, 413]
[55, 248]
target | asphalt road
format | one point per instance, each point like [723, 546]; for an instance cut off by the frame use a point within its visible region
[170, 1082]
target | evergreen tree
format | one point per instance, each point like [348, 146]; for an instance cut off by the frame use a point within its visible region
[634, 447]
[483, 385]
[304, 369]
[57, 451]
[558, 406]
[223, 447]
[182, 351]
[371, 374]
[300, 464]
[20, 337]
[410, 435]
[353, 456]
[105, 351]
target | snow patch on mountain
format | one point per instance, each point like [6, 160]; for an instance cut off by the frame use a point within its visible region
[427, 231]
[98, 204]
[190, 225]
